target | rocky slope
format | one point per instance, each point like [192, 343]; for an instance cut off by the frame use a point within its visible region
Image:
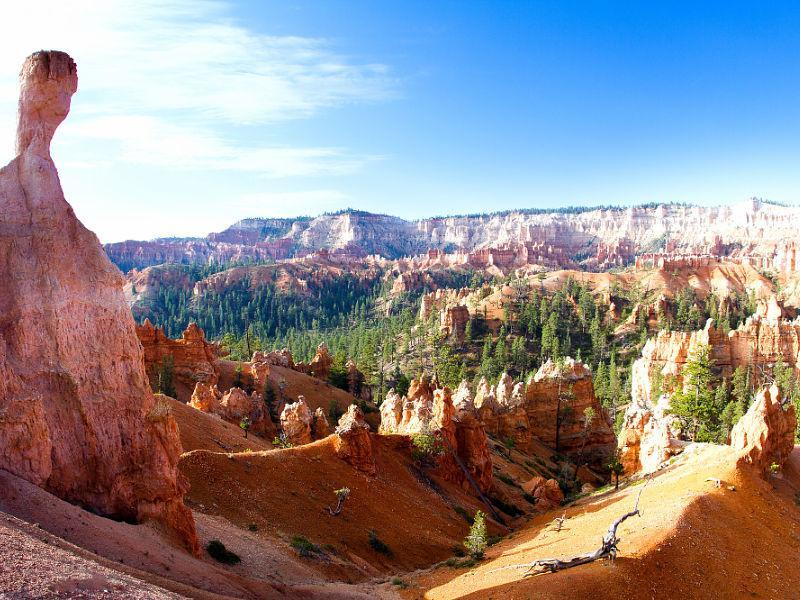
[754, 231]
[76, 413]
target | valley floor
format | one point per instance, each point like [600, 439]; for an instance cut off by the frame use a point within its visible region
[692, 540]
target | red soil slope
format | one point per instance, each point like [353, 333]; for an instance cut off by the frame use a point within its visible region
[693, 540]
[284, 493]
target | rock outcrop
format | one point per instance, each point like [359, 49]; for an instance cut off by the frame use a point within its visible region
[352, 440]
[185, 361]
[319, 425]
[647, 439]
[760, 341]
[522, 414]
[429, 409]
[320, 365]
[547, 492]
[296, 420]
[753, 232]
[764, 436]
[77, 416]
[233, 406]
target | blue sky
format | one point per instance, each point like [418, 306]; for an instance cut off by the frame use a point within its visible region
[191, 115]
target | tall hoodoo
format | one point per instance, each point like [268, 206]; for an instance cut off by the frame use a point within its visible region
[77, 416]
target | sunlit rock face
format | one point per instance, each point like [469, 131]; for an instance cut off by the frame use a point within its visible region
[764, 436]
[77, 416]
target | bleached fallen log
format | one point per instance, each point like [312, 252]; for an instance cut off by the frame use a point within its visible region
[608, 549]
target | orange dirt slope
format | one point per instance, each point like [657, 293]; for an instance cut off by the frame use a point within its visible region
[285, 493]
[692, 540]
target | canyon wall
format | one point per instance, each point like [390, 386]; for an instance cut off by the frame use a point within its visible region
[77, 416]
[760, 233]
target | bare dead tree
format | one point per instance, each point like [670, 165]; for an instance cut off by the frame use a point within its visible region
[559, 521]
[341, 496]
[608, 549]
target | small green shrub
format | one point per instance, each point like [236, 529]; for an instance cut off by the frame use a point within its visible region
[252, 527]
[377, 544]
[219, 552]
[476, 541]
[282, 442]
[509, 443]
[426, 446]
[399, 583]
[304, 546]
[507, 479]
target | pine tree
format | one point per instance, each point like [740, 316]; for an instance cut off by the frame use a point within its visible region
[601, 384]
[477, 540]
[695, 403]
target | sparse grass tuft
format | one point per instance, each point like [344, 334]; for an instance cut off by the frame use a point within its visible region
[507, 479]
[304, 546]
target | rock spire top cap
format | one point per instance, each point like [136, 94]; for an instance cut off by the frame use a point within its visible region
[47, 81]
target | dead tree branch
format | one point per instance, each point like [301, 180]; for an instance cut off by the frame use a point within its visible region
[608, 549]
[341, 496]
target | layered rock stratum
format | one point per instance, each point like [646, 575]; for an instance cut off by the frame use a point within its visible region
[756, 232]
[77, 416]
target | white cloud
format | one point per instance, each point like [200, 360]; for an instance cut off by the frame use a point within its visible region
[147, 140]
[166, 81]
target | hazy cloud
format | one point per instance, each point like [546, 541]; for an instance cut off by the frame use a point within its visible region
[167, 80]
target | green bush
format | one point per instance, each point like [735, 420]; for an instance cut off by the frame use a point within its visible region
[219, 552]
[304, 546]
[425, 446]
[477, 541]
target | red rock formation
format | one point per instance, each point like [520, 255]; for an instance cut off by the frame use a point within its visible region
[77, 416]
[319, 425]
[760, 341]
[430, 409]
[190, 359]
[296, 422]
[646, 440]
[320, 365]
[546, 491]
[533, 415]
[233, 406]
[764, 436]
[352, 441]
[280, 358]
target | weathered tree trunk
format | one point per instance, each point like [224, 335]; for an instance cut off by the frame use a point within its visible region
[608, 549]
